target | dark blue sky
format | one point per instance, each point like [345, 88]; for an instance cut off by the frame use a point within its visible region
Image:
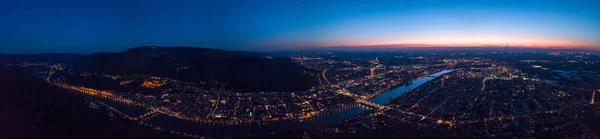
[84, 26]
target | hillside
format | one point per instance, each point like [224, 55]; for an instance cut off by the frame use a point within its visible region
[240, 71]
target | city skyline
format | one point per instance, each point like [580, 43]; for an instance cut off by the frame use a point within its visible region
[299, 69]
[420, 93]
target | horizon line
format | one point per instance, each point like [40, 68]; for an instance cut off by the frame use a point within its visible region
[358, 47]
[401, 46]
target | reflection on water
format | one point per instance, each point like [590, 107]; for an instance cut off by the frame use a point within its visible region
[577, 74]
[171, 123]
[387, 97]
[132, 111]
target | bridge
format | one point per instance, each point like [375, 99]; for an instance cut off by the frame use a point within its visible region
[364, 101]
[97, 93]
[370, 104]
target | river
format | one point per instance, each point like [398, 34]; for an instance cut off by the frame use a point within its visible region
[170, 123]
[388, 96]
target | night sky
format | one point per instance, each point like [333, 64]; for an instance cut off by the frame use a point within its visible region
[85, 26]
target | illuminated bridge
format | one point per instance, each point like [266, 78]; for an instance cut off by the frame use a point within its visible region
[370, 104]
[97, 93]
[363, 101]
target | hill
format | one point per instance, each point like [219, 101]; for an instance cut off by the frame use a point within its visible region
[238, 70]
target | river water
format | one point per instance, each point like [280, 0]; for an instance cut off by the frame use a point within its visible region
[170, 123]
[388, 96]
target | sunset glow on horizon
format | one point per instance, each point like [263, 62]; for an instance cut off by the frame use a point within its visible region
[468, 42]
[111, 25]
[538, 24]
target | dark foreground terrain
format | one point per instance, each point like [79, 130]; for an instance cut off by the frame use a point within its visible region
[31, 108]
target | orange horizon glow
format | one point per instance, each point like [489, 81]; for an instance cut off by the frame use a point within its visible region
[483, 41]
[465, 45]
[478, 40]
